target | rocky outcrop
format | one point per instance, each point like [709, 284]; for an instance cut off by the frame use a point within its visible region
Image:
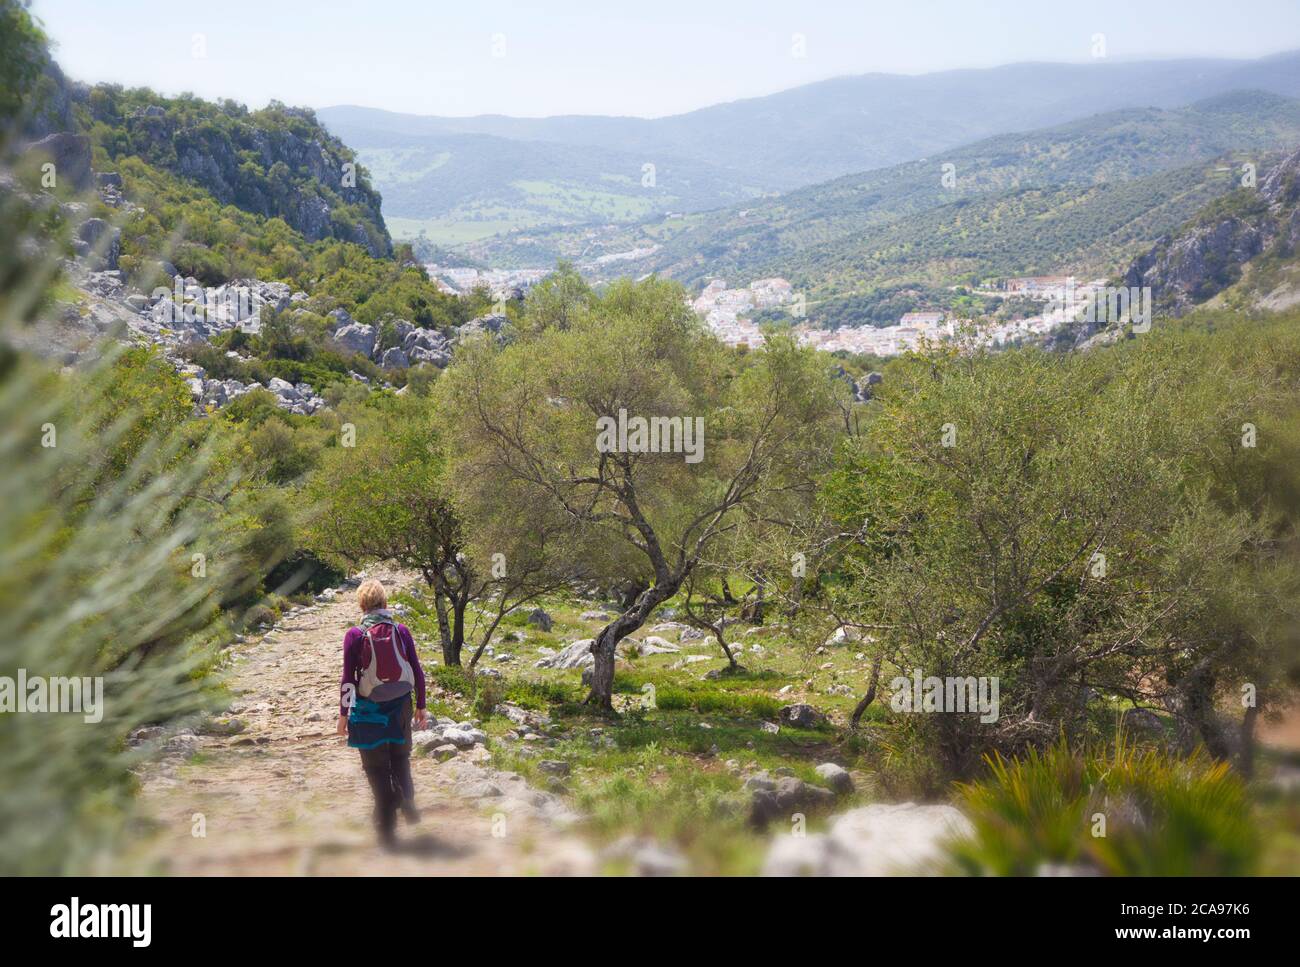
[278, 162]
[1208, 254]
[357, 337]
[427, 346]
[493, 325]
[70, 155]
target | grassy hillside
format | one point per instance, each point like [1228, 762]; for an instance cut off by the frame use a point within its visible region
[865, 121]
[277, 162]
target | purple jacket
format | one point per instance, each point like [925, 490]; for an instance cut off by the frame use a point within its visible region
[353, 665]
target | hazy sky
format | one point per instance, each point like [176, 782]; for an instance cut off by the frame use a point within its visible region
[650, 58]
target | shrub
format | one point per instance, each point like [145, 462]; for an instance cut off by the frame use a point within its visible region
[259, 614]
[1163, 815]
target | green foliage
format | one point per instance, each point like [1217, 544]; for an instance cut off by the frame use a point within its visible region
[1070, 522]
[384, 498]
[1163, 815]
[22, 58]
[101, 579]
[245, 155]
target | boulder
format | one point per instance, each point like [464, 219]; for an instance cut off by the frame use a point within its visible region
[493, 325]
[647, 857]
[283, 388]
[337, 319]
[652, 645]
[357, 337]
[540, 619]
[103, 243]
[784, 797]
[523, 718]
[801, 715]
[577, 654]
[394, 359]
[875, 840]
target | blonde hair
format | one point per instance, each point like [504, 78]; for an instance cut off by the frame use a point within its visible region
[371, 595]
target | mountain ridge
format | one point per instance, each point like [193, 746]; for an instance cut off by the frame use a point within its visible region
[855, 123]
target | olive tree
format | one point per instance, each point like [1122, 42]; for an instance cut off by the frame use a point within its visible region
[386, 496]
[641, 431]
[1073, 526]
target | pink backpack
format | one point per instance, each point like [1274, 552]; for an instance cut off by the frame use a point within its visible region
[382, 658]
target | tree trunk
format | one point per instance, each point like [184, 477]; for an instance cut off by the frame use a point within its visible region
[870, 697]
[458, 624]
[450, 650]
[1246, 752]
[726, 649]
[1192, 703]
[757, 609]
[602, 672]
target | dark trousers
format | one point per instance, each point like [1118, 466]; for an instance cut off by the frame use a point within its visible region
[388, 767]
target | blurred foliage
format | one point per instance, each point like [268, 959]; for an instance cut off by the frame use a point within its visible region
[1118, 811]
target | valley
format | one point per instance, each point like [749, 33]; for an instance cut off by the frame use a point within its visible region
[894, 474]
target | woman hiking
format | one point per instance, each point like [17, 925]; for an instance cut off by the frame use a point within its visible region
[380, 671]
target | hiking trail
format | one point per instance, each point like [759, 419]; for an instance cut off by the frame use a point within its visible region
[285, 795]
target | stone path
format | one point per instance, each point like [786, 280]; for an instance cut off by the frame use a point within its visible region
[286, 796]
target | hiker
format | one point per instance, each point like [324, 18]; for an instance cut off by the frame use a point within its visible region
[380, 671]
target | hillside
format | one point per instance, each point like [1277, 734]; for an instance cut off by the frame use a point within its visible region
[1239, 251]
[459, 188]
[1082, 196]
[725, 152]
[277, 162]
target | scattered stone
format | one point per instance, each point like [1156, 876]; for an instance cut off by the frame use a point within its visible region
[222, 726]
[835, 776]
[647, 857]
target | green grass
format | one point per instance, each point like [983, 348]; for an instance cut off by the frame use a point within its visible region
[675, 771]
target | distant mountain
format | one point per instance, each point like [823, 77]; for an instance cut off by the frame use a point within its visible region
[775, 143]
[460, 187]
[1082, 196]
